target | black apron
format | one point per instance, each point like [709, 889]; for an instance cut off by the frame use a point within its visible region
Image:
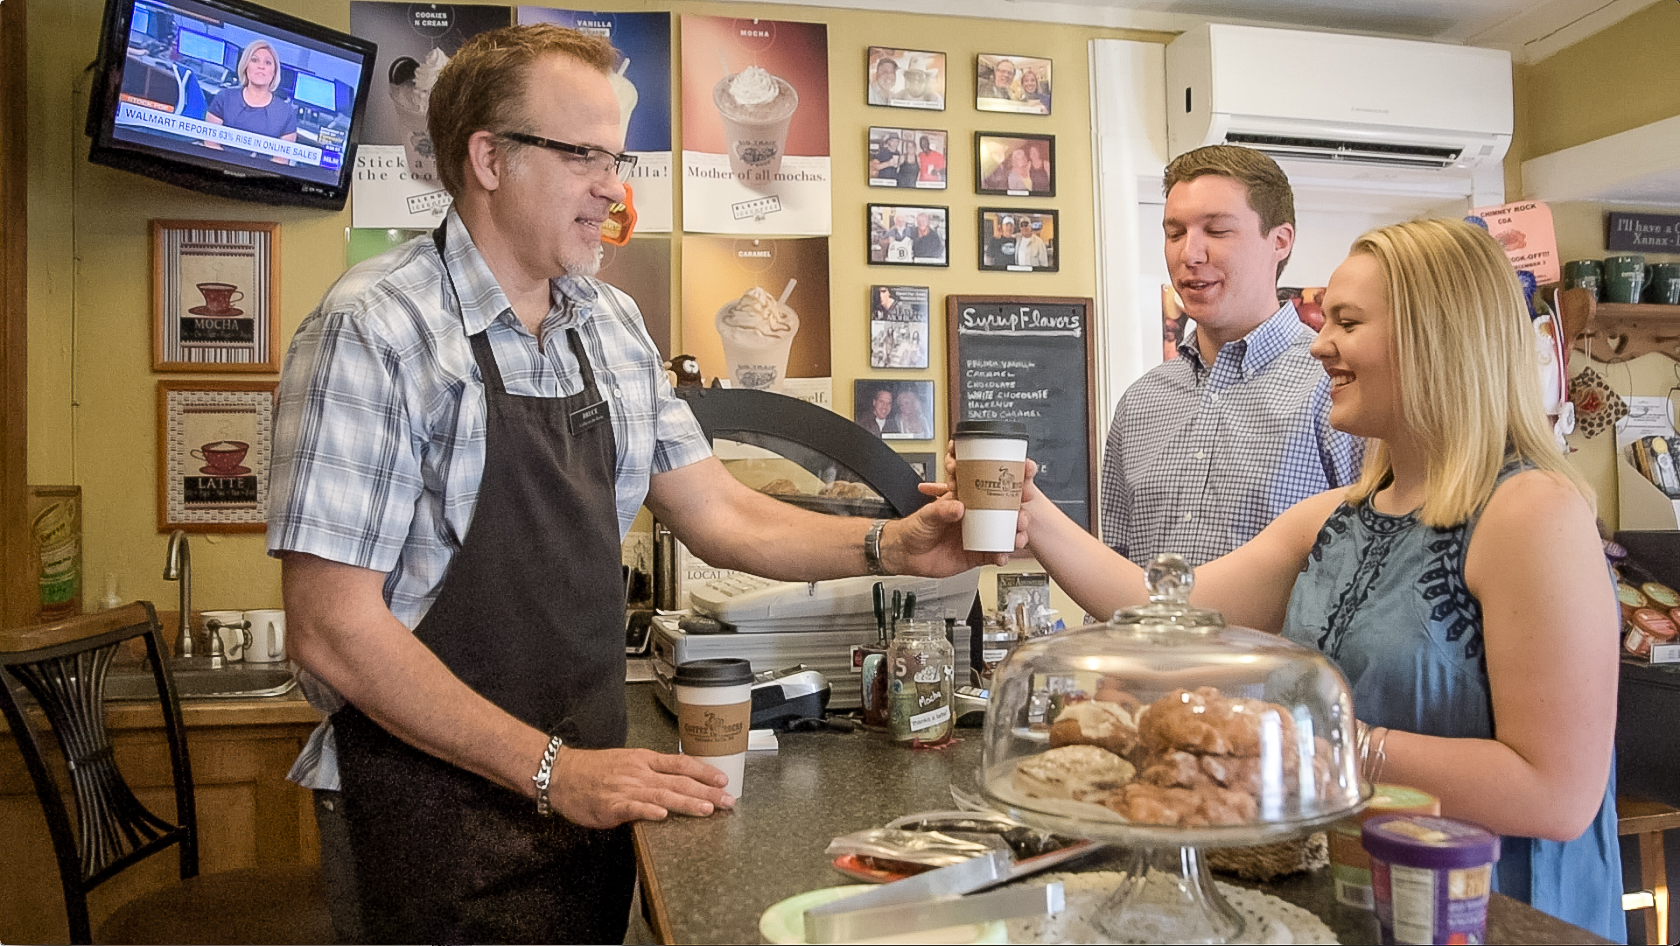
[530, 615]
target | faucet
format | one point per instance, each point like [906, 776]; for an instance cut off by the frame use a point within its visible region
[177, 566]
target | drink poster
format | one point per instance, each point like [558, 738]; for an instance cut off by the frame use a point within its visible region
[1524, 229]
[755, 311]
[755, 127]
[641, 78]
[396, 183]
[642, 269]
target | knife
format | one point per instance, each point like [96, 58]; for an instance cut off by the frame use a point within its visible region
[900, 902]
[897, 609]
[880, 593]
[876, 922]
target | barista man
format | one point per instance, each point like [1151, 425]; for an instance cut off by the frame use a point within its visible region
[1209, 447]
[467, 426]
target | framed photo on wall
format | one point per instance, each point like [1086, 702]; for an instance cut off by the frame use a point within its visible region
[894, 410]
[909, 235]
[906, 78]
[1019, 84]
[215, 441]
[215, 296]
[907, 157]
[926, 466]
[1018, 241]
[898, 326]
[1014, 165]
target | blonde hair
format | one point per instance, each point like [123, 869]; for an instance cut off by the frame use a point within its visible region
[245, 60]
[1469, 375]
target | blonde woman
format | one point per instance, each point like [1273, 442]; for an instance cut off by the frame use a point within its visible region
[255, 106]
[1460, 584]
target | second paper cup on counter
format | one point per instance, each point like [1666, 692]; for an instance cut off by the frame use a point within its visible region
[714, 713]
[991, 469]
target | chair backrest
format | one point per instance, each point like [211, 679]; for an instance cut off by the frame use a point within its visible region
[60, 668]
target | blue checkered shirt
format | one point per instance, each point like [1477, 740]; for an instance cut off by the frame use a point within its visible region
[380, 432]
[1199, 460]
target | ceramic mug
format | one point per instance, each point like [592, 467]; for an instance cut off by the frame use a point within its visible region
[268, 636]
[1624, 278]
[232, 628]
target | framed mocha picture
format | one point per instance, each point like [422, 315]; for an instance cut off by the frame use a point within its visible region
[215, 440]
[215, 300]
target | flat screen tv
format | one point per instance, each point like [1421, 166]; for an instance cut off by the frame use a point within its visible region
[229, 98]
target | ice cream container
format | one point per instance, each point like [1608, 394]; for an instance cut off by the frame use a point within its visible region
[1430, 877]
[1350, 866]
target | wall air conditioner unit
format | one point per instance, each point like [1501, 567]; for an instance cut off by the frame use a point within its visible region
[1361, 113]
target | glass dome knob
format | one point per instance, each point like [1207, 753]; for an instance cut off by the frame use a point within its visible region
[1169, 579]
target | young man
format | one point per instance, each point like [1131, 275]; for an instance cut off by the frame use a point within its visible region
[467, 426]
[1208, 448]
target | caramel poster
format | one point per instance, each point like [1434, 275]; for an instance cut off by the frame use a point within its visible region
[396, 183]
[755, 312]
[641, 78]
[755, 126]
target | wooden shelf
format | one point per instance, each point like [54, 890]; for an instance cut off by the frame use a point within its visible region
[1612, 332]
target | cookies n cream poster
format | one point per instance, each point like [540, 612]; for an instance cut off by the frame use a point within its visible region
[755, 156]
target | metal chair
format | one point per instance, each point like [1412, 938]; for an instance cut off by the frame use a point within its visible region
[58, 671]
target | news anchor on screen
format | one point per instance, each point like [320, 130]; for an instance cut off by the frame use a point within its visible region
[254, 106]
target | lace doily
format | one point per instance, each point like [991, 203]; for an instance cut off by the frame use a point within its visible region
[1271, 921]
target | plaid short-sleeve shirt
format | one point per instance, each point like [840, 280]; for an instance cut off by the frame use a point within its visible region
[1200, 459]
[379, 441]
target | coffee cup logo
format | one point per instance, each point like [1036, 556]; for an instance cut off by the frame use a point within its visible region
[991, 484]
[219, 297]
[222, 457]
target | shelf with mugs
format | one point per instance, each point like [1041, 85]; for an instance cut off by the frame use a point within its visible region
[1613, 332]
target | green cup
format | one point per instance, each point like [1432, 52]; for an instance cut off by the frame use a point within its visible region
[1585, 274]
[1624, 278]
[1663, 286]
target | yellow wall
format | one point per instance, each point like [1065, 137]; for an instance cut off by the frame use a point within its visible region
[92, 391]
[1618, 79]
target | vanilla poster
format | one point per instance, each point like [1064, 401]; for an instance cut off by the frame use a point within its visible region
[755, 127]
[396, 183]
[755, 311]
[641, 78]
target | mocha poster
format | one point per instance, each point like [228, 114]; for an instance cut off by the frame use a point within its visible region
[755, 311]
[755, 126]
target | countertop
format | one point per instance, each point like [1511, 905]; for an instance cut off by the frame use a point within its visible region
[708, 880]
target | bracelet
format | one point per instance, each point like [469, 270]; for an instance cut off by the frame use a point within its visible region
[545, 770]
[872, 548]
[1381, 757]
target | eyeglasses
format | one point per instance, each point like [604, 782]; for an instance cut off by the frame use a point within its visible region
[598, 161]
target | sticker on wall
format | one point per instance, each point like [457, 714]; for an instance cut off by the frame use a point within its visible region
[755, 126]
[755, 311]
[396, 183]
[641, 78]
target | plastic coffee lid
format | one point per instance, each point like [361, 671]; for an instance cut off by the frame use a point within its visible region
[996, 429]
[717, 672]
[1428, 842]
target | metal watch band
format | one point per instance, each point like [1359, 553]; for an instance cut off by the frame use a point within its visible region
[544, 771]
[872, 548]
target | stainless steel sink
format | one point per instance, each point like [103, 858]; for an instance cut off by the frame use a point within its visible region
[228, 683]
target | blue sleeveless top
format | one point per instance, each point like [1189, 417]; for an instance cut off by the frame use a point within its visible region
[1385, 598]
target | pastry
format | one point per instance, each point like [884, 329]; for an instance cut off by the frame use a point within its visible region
[1204, 722]
[1076, 773]
[845, 489]
[1095, 723]
[782, 486]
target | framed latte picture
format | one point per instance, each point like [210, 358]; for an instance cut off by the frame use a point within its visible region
[214, 446]
[215, 300]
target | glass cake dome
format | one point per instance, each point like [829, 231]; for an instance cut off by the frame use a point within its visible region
[1167, 730]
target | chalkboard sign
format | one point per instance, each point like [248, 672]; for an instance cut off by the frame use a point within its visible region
[1031, 358]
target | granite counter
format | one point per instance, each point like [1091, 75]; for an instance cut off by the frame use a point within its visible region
[707, 880]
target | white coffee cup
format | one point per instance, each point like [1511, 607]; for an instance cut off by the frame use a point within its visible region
[714, 714]
[230, 627]
[268, 636]
[991, 469]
